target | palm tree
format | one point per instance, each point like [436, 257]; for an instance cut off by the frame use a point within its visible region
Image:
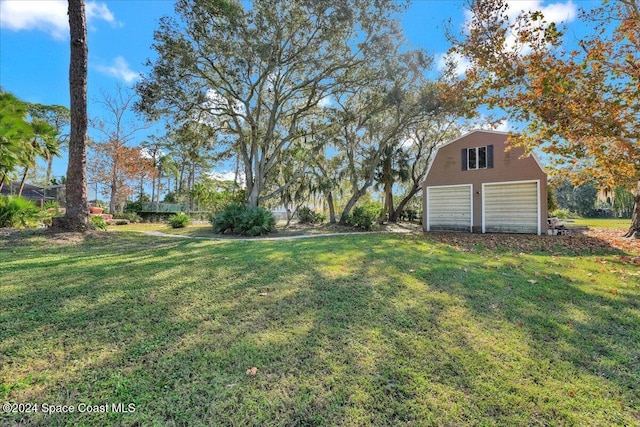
[43, 145]
[58, 117]
[15, 131]
[168, 168]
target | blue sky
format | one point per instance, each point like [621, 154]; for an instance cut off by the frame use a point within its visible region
[34, 51]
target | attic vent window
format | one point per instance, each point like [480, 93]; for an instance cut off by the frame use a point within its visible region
[477, 158]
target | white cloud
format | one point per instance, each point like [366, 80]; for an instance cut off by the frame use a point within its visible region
[325, 102]
[228, 176]
[554, 12]
[459, 62]
[223, 175]
[216, 102]
[500, 126]
[119, 69]
[100, 11]
[49, 16]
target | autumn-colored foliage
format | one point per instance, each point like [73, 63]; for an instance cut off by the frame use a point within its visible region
[579, 102]
[119, 168]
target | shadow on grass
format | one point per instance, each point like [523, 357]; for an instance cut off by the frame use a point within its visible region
[357, 330]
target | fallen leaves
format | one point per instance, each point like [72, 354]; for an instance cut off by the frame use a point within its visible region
[593, 241]
[253, 371]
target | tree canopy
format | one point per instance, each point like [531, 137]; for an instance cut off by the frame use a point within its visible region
[580, 103]
[259, 75]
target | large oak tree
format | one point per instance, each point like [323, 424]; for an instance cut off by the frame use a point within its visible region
[258, 74]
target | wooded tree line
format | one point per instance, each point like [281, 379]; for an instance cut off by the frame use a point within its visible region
[309, 98]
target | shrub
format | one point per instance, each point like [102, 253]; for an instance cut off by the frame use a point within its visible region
[244, 220]
[307, 216]
[97, 223]
[563, 214]
[363, 217]
[412, 214]
[179, 220]
[51, 204]
[129, 216]
[18, 212]
[49, 210]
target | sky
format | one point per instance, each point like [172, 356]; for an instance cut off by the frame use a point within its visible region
[34, 43]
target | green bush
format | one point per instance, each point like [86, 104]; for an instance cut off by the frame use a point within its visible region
[308, 216]
[49, 210]
[132, 217]
[412, 214]
[179, 220]
[244, 220]
[363, 217]
[120, 221]
[563, 214]
[18, 212]
[97, 223]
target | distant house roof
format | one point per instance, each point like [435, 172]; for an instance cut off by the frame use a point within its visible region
[31, 192]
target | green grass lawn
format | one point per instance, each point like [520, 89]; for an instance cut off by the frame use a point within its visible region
[622, 224]
[193, 230]
[363, 330]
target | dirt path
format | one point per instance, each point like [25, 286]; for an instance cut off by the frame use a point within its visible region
[298, 236]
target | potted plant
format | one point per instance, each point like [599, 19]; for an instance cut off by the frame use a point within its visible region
[97, 208]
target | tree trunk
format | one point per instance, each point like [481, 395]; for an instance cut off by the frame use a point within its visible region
[332, 209]
[634, 229]
[253, 195]
[158, 191]
[394, 217]
[47, 177]
[387, 209]
[351, 203]
[114, 192]
[113, 198]
[387, 179]
[22, 181]
[77, 210]
[181, 181]
[153, 189]
[141, 187]
[190, 183]
[290, 215]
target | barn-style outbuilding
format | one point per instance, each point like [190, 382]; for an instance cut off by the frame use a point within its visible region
[478, 183]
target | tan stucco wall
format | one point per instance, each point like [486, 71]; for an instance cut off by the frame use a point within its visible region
[507, 166]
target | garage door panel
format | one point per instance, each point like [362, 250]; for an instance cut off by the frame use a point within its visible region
[449, 208]
[511, 208]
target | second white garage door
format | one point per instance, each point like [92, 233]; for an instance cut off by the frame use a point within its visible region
[511, 207]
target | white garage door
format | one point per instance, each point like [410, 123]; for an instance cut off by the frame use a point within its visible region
[449, 208]
[511, 208]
